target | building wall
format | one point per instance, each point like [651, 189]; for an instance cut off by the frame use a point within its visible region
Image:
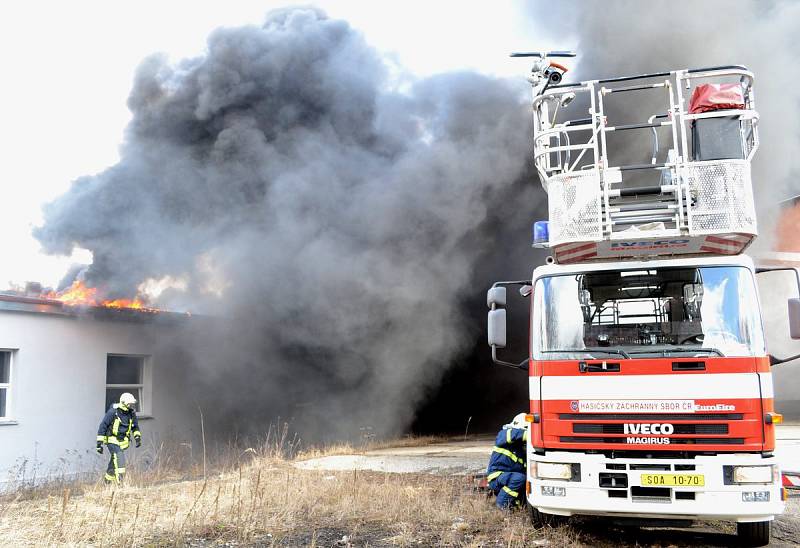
[58, 392]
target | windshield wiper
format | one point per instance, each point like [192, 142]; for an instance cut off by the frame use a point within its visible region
[590, 349]
[666, 351]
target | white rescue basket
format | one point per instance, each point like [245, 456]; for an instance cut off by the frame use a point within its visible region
[692, 196]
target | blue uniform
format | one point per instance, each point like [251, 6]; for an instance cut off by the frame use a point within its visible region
[506, 472]
[115, 431]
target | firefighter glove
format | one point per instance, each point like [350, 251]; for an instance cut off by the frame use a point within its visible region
[138, 440]
[100, 447]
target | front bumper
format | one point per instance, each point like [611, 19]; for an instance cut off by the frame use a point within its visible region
[716, 500]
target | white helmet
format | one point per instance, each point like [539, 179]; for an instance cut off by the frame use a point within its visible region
[127, 400]
[519, 421]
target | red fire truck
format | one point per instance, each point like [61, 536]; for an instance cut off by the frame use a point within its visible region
[651, 395]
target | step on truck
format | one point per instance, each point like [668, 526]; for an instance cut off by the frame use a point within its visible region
[651, 395]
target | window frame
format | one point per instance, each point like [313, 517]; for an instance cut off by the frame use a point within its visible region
[8, 415]
[144, 387]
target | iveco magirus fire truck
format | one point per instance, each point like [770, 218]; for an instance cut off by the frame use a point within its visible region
[650, 388]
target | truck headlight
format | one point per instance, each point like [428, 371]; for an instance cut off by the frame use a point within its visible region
[551, 470]
[752, 474]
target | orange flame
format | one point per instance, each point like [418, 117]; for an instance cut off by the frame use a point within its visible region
[79, 294]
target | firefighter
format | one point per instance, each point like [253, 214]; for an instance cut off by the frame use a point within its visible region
[506, 472]
[115, 431]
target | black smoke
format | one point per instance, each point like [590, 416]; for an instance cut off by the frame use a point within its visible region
[348, 226]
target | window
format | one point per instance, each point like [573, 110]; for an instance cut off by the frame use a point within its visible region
[690, 311]
[5, 384]
[125, 374]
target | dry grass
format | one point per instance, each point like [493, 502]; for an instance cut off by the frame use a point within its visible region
[257, 497]
[267, 501]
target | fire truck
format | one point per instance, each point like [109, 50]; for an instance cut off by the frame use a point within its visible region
[651, 396]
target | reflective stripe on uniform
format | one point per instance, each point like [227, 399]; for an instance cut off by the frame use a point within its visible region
[101, 438]
[509, 454]
[508, 436]
[124, 444]
[109, 477]
[525, 436]
[493, 475]
[510, 492]
[115, 427]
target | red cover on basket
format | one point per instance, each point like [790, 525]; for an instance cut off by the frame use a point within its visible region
[707, 97]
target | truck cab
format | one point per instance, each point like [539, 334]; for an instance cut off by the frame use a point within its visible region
[651, 383]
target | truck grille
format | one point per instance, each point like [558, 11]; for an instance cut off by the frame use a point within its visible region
[689, 429]
[590, 428]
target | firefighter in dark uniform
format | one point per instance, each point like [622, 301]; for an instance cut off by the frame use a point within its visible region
[507, 473]
[116, 429]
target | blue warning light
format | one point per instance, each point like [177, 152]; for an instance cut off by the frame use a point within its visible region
[541, 234]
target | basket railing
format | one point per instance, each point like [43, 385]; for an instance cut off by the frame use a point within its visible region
[699, 189]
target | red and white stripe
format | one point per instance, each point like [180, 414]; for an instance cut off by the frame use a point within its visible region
[574, 252]
[791, 480]
[726, 244]
[717, 244]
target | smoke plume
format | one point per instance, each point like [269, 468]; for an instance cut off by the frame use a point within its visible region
[288, 184]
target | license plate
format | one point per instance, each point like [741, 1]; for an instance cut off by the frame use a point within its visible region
[673, 480]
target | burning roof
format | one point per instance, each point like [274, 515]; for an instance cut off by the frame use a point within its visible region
[81, 295]
[80, 299]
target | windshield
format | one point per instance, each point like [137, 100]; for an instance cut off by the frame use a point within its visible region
[678, 312]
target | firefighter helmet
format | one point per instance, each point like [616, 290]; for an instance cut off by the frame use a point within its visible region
[519, 421]
[127, 400]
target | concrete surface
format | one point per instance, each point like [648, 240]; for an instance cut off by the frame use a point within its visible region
[469, 456]
[450, 458]
[787, 447]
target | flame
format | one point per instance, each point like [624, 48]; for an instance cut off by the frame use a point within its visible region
[78, 294]
[125, 303]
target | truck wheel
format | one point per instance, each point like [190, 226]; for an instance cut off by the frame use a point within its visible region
[754, 533]
[540, 519]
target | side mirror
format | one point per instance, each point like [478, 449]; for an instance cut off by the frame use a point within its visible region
[497, 328]
[496, 324]
[496, 297]
[794, 318]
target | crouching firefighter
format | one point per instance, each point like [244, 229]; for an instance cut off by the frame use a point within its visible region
[506, 472]
[115, 431]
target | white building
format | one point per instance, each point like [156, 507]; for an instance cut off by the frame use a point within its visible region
[61, 367]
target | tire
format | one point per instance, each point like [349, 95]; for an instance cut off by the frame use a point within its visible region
[754, 533]
[540, 519]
